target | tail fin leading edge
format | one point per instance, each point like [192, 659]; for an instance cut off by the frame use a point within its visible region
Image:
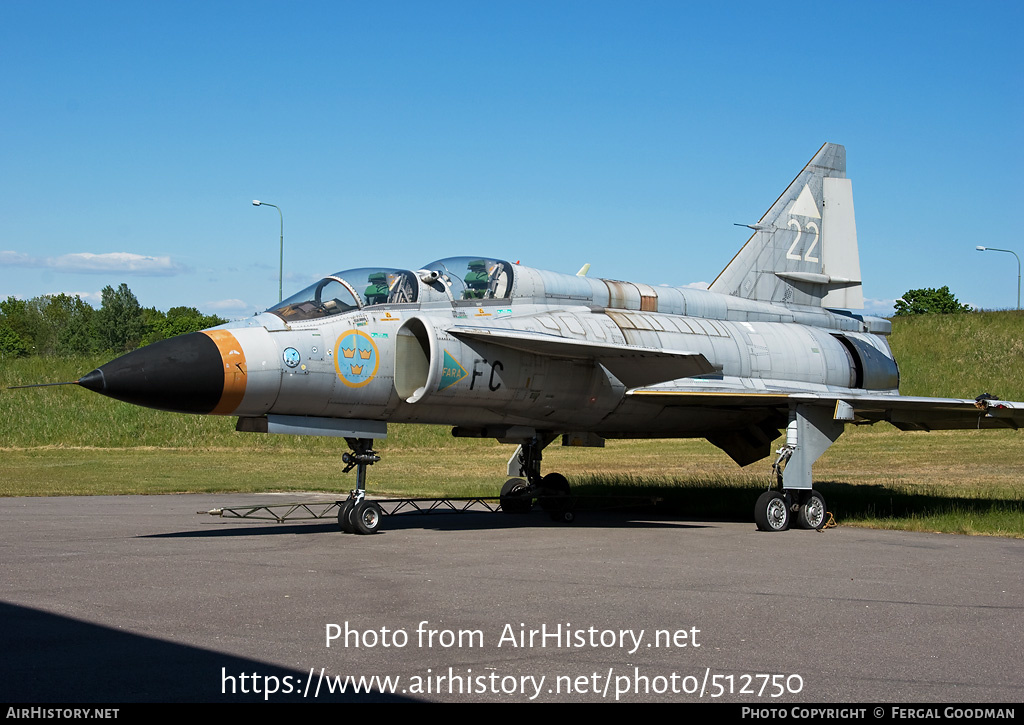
[804, 249]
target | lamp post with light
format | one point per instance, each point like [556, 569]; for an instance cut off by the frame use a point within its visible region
[1008, 251]
[280, 271]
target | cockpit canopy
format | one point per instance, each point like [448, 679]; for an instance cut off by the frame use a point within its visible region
[349, 290]
[474, 278]
[454, 278]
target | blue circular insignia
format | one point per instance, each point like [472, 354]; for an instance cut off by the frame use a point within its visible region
[291, 357]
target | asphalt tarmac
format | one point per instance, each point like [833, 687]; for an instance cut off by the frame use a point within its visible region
[140, 599]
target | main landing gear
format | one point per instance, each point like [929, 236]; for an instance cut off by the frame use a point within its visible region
[550, 491]
[778, 508]
[358, 515]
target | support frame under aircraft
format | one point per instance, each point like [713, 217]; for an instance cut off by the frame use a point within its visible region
[501, 350]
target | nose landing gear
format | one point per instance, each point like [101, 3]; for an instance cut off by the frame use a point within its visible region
[357, 515]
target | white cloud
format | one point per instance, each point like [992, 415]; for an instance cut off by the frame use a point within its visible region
[17, 259]
[89, 263]
[884, 308]
[231, 305]
[124, 262]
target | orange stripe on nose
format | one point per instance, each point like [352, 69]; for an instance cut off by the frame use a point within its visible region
[234, 371]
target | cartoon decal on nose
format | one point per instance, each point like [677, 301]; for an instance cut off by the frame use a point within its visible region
[291, 357]
[356, 358]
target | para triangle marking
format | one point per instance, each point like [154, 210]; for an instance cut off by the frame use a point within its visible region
[805, 204]
[451, 373]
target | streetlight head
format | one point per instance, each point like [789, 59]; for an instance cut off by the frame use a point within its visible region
[256, 202]
[980, 249]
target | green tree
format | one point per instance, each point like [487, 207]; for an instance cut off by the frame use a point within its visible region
[181, 320]
[77, 334]
[62, 324]
[119, 323]
[177, 321]
[22, 319]
[929, 301]
[11, 343]
[50, 324]
[153, 322]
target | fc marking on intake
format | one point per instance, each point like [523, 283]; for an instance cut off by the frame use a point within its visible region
[495, 367]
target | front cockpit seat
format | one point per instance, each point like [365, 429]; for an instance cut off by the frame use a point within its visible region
[377, 292]
[476, 280]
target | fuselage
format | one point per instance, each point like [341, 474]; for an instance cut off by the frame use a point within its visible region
[385, 344]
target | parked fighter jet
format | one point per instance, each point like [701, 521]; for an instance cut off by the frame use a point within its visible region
[523, 355]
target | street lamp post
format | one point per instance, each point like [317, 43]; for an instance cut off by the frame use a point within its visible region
[280, 271]
[1008, 251]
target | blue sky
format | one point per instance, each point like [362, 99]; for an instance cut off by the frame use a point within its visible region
[134, 136]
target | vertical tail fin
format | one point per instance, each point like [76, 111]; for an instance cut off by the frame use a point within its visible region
[804, 248]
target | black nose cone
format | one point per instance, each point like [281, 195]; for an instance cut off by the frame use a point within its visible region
[184, 374]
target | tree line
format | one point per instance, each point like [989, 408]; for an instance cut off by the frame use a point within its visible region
[929, 301]
[62, 325]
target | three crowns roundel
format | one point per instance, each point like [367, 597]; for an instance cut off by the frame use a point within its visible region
[356, 358]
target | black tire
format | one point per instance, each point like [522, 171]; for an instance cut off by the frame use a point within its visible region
[366, 518]
[812, 513]
[515, 497]
[344, 516]
[555, 483]
[554, 495]
[771, 512]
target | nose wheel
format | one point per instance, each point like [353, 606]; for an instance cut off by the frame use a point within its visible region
[357, 515]
[516, 497]
[365, 517]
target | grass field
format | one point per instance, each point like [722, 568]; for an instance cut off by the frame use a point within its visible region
[68, 441]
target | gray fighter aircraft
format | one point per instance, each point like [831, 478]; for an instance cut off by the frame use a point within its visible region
[505, 351]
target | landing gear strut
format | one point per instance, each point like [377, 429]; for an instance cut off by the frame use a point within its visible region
[551, 491]
[779, 509]
[357, 515]
[811, 430]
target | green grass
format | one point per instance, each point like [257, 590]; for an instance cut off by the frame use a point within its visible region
[961, 356]
[68, 441]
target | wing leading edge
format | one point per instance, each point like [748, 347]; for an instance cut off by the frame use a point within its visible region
[904, 412]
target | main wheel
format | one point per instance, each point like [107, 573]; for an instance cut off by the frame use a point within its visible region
[366, 517]
[554, 495]
[771, 512]
[515, 497]
[555, 483]
[345, 516]
[812, 511]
